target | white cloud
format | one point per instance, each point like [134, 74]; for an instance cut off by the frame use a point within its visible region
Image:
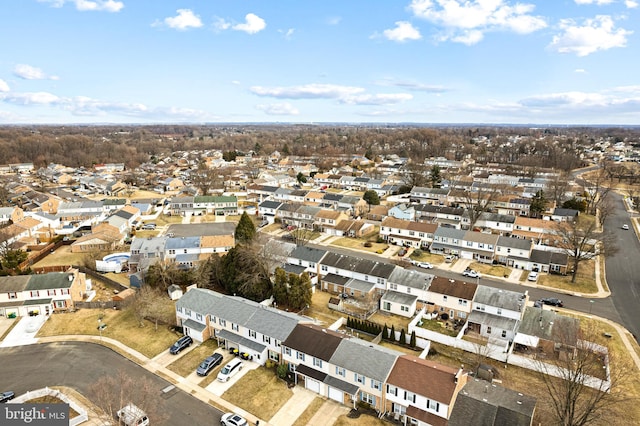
[308, 91]
[253, 24]
[379, 99]
[594, 35]
[278, 109]
[89, 5]
[184, 20]
[598, 2]
[402, 32]
[27, 72]
[631, 4]
[31, 98]
[580, 71]
[334, 20]
[287, 33]
[419, 87]
[220, 24]
[4, 87]
[467, 21]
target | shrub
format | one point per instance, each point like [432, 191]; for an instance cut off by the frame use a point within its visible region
[444, 316]
[368, 244]
[282, 371]
[417, 252]
[380, 240]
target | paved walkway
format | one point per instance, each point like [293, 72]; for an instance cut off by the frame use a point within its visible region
[294, 407]
[328, 413]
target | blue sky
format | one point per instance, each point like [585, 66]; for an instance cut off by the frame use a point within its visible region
[424, 61]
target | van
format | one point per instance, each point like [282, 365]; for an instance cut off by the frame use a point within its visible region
[230, 370]
[130, 415]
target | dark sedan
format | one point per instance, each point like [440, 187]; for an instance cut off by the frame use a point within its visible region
[209, 364]
[552, 301]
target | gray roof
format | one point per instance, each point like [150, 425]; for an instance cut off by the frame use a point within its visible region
[445, 232]
[194, 325]
[149, 245]
[548, 325]
[241, 341]
[480, 237]
[199, 300]
[268, 204]
[497, 321]
[293, 269]
[359, 285]
[411, 278]
[425, 190]
[308, 254]
[363, 266]
[549, 257]
[49, 281]
[496, 217]
[397, 297]
[370, 360]
[506, 299]
[13, 284]
[203, 229]
[182, 243]
[483, 403]
[516, 243]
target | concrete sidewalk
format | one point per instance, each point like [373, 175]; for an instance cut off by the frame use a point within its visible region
[328, 413]
[294, 407]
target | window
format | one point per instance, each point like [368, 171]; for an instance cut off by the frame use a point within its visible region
[212, 319]
[499, 312]
[433, 405]
[340, 371]
[369, 399]
[409, 396]
[252, 334]
[199, 317]
[469, 244]
[277, 342]
[462, 302]
[444, 298]
[317, 362]
[462, 314]
[51, 292]
[172, 251]
[35, 293]
[376, 384]
[480, 308]
[366, 277]
[386, 306]
[404, 308]
[359, 378]
[393, 286]
[59, 304]
[287, 351]
[323, 268]
[504, 333]
[266, 339]
[235, 327]
[223, 322]
[64, 291]
[13, 295]
[300, 356]
[488, 329]
[380, 281]
[392, 390]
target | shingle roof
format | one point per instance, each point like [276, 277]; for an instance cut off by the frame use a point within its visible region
[365, 358]
[308, 254]
[50, 280]
[411, 278]
[363, 266]
[314, 341]
[505, 299]
[435, 381]
[13, 284]
[516, 243]
[453, 288]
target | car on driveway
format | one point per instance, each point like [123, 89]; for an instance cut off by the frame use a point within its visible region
[182, 343]
[7, 396]
[209, 364]
[471, 273]
[425, 265]
[533, 276]
[230, 369]
[402, 252]
[552, 301]
[233, 419]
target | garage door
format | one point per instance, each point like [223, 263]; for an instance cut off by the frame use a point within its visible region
[336, 395]
[313, 385]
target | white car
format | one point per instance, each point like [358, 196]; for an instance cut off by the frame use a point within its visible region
[233, 419]
[230, 370]
[425, 265]
[533, 276]
[625, 227]
[471, 273]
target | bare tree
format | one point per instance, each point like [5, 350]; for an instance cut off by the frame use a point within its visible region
[479, 201]
[112, 392]
[581, 241]
[597, 191]
[558, 186]
[606, 209]
[582, 379]
[154, 305]
[415, 175]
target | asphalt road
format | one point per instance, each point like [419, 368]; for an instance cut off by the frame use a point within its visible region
[78, 365]
[623, 268]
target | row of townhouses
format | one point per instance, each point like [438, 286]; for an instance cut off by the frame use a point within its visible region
[341, 367]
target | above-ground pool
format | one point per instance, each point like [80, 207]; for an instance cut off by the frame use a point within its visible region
[116, 257]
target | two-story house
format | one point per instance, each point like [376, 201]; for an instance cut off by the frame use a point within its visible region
[451, 296]
[405, 289]
[421, 392]
[447, 241]
[353, 267]
[513, 252]
[407, 233]
[496, 223]
[497, 313]
[478, 246]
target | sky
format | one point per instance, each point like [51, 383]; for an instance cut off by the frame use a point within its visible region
[325, 61]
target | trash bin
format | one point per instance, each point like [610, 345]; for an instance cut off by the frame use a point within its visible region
[11, 315]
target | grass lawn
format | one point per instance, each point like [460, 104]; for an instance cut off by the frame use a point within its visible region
[121, 326]
[585, 280]
[438, 327]
[259, 391]
[495, 270]
[120, 278]
[163, 219]
[357, 243]
[404, 349]
[188, 363]
[309, 412]
[8, 330]
[319, 308]
[397, 321]
[363, 420]
[434, 259]
[62, 256]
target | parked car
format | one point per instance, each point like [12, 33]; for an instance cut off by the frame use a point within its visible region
[448, 258]
[425, 265]
[209, 364]
[537, 304]
[149, 226]
[471, 273]
[246, 355]
[230, 370]
[533, 276]
[182, 343]
[233, 419]
[552, 301]
[7, 396]
[402, 252]
[625, 226]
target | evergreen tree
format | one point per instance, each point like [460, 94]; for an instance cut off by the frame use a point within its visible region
[371, 197]
[299, 291]
[435, 176]
[385, 332]
[412, 339]
[538, 204]
[392, 336]
[403, 337]
[245, 230]
[280, 287]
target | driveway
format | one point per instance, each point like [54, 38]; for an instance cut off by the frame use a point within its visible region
[218, 388]
[24, 333]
